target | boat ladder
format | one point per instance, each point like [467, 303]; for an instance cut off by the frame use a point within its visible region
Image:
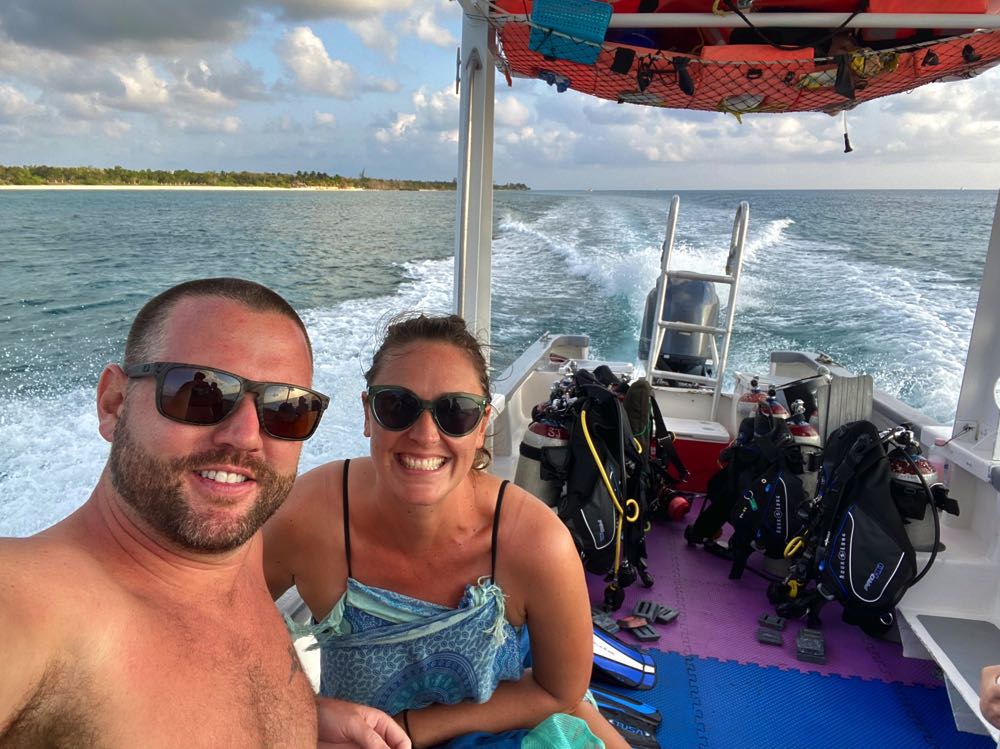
[730, 278]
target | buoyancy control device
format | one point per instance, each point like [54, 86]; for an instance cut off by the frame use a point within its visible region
[583, 458]
[853, 546]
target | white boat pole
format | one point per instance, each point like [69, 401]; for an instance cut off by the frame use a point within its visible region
[474, 184]
[977, 418]
[807, 20]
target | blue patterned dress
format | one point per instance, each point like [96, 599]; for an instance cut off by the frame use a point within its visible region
[394, 652]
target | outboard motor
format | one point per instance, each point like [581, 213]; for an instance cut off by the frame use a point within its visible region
[689, 301]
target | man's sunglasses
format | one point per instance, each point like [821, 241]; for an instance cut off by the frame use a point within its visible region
[203, 395]
[395, 408]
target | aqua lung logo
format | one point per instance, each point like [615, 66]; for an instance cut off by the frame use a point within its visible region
[600, 531]
[875, 575]
[842, 556]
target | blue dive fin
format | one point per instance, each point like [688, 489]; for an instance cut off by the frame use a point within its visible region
[612, 703]
[617, 662]
[635, 734]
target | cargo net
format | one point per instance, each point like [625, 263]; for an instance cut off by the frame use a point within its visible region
[735, 78]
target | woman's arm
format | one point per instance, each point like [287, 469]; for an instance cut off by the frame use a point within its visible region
[301, 534]
[539, 567]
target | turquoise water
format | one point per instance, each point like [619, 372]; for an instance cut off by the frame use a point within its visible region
[886, 282]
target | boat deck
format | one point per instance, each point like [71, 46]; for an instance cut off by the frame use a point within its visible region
[717, 686]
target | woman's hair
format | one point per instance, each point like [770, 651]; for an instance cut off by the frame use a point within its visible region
[407, 328]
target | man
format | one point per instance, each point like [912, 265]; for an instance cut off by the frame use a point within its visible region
[143, 619]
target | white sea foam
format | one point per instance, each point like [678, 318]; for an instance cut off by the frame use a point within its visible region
[344, 339]
[583, 263]
[52, 454]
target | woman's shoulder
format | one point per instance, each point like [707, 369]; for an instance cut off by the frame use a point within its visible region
[326, 481]
[531, 530]
[314, 501]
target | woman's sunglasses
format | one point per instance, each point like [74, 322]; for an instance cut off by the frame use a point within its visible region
[203, 395]
[395, 408]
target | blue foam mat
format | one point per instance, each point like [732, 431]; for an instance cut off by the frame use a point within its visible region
[716, 705]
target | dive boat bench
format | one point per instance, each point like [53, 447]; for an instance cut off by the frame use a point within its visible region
[952, 615]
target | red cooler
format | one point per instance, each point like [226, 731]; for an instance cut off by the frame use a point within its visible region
[698, 444]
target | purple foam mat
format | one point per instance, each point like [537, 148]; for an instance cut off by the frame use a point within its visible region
[718, 617]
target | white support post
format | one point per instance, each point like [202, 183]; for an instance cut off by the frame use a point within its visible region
[474, 221]
[977, 408]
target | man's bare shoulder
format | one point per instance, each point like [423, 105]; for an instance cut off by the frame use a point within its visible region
[51, 569]
[40, 609]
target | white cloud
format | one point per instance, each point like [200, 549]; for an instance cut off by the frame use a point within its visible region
[197, 124]
[93, 27]
[373, 34]
[381, 85]
[14, 105]
[510, 112]
[325, 119]
[305, 55]
[144, 89]
[116, 129]
[424, 26]
[397, 130]
[80, 106]
[303, 9]
[438, 109]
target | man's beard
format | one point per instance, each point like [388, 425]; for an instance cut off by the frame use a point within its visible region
[153, 488]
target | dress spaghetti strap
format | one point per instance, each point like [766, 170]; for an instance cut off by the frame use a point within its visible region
[496, 531]
[347, 521]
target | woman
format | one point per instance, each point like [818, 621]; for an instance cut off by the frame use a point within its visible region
[424, 571]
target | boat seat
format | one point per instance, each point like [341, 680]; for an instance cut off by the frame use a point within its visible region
[962, 648]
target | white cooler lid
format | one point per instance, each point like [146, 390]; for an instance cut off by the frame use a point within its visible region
[697, 429]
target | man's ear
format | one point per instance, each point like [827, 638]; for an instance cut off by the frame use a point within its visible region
[111, 389]
[364, 406]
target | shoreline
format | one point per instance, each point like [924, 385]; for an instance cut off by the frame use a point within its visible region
[203, 188]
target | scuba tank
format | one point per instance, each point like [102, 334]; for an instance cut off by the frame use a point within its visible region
[766, 409]
[544, 451]
[907, 466]
[539, 452]
[749, 404]
[810, 445]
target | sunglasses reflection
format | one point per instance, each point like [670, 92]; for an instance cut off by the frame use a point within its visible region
[199, 399]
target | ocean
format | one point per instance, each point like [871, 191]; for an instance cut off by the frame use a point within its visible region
[885, 282]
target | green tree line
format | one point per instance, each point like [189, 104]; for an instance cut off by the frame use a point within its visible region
[89, 175]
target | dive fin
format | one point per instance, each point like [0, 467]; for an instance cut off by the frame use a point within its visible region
[635, 734]
[617, 662]
[610, 702]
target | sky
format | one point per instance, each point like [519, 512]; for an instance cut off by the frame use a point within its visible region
[345, 86]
